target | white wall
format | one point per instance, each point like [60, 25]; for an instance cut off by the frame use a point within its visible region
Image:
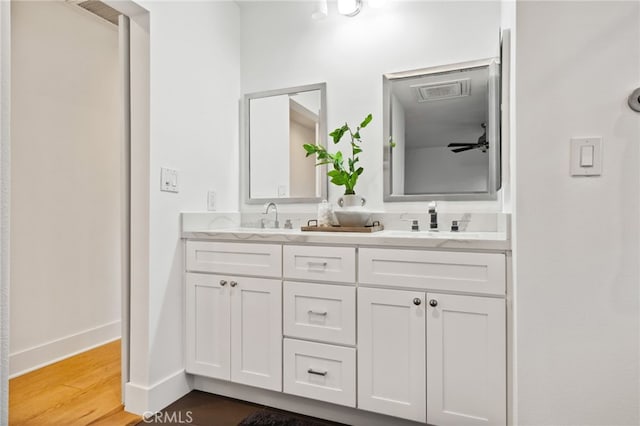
[439, 170]
[302, 170]
[65, 183]
[577, 245]
[5, 177]
[269, 155]
[283, 47]
[194, 92]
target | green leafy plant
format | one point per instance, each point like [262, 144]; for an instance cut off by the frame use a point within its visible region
[341, 175]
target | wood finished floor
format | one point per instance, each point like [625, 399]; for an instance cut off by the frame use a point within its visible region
[204, 409]
[85, 390]
[78, 391]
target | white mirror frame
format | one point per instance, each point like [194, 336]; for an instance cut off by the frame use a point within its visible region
[245, 166]
[493, 134]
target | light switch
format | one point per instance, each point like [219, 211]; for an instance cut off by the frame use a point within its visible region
[586, 156]
[168, 180]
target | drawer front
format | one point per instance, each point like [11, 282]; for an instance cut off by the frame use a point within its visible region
[320, 263]
[235, 258]
[319, 371]
[434, 270]
[320, 312]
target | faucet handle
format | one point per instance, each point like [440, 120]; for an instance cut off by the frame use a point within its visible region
[455, 224]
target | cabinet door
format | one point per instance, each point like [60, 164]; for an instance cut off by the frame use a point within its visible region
[256, 333]
[391, 353]
[208, 326]
[466, 360]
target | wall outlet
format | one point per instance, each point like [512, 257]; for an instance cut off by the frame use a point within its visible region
[168, 180]
[211, 201]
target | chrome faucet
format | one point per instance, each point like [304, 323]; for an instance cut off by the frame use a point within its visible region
[433, 217]
[267, 207]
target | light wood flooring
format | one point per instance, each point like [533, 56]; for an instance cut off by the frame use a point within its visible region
[78, 391]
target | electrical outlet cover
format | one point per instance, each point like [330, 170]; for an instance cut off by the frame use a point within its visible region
[211, 201]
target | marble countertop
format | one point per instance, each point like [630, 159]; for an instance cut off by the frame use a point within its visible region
[497, 241]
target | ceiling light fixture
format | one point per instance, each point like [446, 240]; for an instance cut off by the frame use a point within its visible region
[349, 7]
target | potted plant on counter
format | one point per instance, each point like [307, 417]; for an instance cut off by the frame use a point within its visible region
[343, 174]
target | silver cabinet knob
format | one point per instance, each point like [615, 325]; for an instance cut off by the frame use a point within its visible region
[417, 301]
[223, 283]
[433, 302]
[233, 283]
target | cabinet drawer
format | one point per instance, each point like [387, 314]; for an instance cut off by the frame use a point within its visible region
[234, 258]
[320, 312]
[319, 371]
[320, 263]
[434, 270]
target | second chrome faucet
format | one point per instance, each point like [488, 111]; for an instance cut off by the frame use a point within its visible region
[433, 216]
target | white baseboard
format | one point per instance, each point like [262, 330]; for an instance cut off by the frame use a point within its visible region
[40, 356]
[145, 400]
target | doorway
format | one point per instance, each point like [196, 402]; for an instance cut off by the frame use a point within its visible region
[78, 261]
[66, 224]
[135, 139]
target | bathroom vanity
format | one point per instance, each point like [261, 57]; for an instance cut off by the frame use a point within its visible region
[408, 325]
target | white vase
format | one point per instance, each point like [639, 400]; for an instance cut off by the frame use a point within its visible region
[351, 201]
[353, 212]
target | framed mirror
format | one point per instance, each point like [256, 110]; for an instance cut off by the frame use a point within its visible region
[442, 133]
[276, 125]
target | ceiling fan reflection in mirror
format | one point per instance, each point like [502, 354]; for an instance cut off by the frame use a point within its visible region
[482, 143]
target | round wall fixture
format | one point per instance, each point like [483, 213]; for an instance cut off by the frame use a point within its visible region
[634, 100]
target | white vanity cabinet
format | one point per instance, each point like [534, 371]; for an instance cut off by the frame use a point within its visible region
[466, 360]
[320, 323]
[234, 322]
[417, 334]
[391, 353]
[456, 343]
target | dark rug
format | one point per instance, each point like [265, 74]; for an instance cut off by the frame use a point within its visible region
[269, 418]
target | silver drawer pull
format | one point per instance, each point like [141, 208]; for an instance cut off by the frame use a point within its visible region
[317, 373]
[317, 264]
[324, 314]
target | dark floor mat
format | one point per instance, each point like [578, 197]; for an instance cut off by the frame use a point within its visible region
[269, 418]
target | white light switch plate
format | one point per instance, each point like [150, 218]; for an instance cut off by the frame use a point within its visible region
[586, 156]
[168, 180]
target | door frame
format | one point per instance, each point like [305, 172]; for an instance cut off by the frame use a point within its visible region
[135, 179]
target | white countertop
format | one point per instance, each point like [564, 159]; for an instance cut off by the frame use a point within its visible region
[498, 241]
